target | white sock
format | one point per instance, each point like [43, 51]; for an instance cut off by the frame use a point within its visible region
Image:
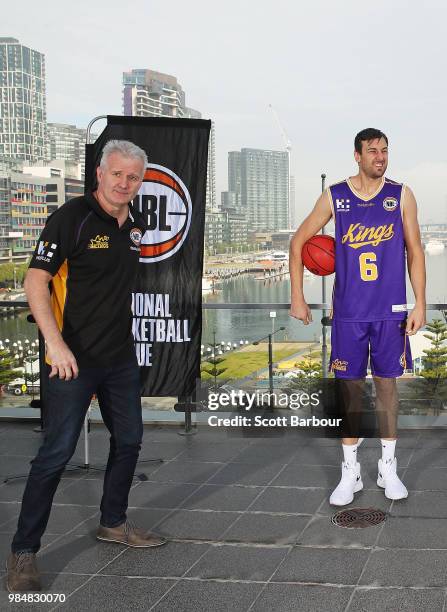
[388, 448]
[350, 453]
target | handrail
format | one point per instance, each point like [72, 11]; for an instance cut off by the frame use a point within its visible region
[235, 305]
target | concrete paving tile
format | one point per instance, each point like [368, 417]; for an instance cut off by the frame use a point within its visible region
[203, 596]
[400, 532]
[412, 568]
[63, 584]
[287, 499]
[327, 565]
[425, 458]
[362, 499]
[117, 593]
[321, 532]
[430, 504]
[196, 524]
[185, 471]
[78, 554]
[308, 476]
[266, 529]
[239, 563]
[172, 559]
[160, 495]
[222, 497]
[391, 600]
[305, 598]
[426, 479]
[246, 473]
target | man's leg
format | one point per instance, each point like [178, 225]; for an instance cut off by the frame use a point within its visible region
[349, 359]
[66, 405]
[120, 403]
[387, 408]
[390, 355]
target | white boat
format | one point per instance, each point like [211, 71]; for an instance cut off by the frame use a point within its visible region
[280, 256]
[434, 246]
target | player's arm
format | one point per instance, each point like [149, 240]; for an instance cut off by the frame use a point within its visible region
[415, 262]
[317, 219]
[63, 362]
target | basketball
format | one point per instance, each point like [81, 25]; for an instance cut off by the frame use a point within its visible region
[318, 255]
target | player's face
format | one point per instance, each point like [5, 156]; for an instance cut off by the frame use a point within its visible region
[120, 179]
[373, 160]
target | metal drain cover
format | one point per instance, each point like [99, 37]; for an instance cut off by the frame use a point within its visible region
[359, 518]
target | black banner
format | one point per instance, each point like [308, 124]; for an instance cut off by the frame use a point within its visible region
[167, 302]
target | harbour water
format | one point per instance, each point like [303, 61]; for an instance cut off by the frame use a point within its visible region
[233, 325]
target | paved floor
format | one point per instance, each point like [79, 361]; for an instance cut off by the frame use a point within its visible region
[249, 524]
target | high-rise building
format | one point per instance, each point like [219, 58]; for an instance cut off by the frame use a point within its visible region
[23, 133]
[261, 178]
[68, 142]
[147, 93]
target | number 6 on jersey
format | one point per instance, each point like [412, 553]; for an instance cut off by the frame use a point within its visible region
[368, 270]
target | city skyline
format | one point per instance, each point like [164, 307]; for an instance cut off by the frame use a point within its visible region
[328, 71]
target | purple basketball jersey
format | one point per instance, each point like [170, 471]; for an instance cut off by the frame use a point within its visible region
[369, 253]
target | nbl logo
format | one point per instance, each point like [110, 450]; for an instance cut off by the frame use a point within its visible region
[166, 206]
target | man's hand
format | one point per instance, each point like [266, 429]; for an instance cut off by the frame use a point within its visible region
[63, 362]
[415, 320]
[300, 310]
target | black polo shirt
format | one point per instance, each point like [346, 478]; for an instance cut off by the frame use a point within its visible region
[94, 264]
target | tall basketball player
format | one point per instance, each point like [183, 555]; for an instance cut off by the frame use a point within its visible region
[375, 225]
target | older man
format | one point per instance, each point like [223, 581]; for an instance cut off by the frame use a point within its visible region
[89, 251]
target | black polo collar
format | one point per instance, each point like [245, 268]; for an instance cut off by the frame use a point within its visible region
[98, 209]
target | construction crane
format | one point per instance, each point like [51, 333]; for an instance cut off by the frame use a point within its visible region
[288, 147]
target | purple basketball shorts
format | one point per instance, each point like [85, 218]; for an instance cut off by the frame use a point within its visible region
[384, 342]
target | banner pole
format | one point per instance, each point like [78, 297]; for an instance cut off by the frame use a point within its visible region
[324, 361]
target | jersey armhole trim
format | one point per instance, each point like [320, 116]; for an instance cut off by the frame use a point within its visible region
[331, 203]
[402, 200]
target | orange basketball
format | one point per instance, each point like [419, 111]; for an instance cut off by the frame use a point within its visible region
[318, 255]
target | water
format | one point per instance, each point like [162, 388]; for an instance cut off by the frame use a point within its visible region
[235, 325]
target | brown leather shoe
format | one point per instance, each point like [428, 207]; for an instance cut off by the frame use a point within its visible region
[130, 535]
[23, 575]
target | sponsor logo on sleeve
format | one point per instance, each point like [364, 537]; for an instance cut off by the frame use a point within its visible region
[45, 251]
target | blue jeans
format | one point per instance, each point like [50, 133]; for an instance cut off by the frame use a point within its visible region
[118, 392]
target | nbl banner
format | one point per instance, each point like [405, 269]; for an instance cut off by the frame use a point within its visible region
[167, 302]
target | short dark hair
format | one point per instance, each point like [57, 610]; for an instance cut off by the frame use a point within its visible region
[368, 134]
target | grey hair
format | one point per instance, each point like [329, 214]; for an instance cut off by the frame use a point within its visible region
[124, 148]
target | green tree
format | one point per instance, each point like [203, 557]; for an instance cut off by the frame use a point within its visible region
[308, 378]
[429, 391]
[211, 368]
[435, 360]
[7, 365]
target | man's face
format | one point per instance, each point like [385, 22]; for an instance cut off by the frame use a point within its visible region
[120, 179]
[373, 160]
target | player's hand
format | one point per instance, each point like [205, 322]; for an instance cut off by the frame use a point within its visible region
[300, 310]
[416, 320]
[63, 362]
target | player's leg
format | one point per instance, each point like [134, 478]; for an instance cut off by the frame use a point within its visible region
[349, 358]
[120, 404]
[390, 355]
